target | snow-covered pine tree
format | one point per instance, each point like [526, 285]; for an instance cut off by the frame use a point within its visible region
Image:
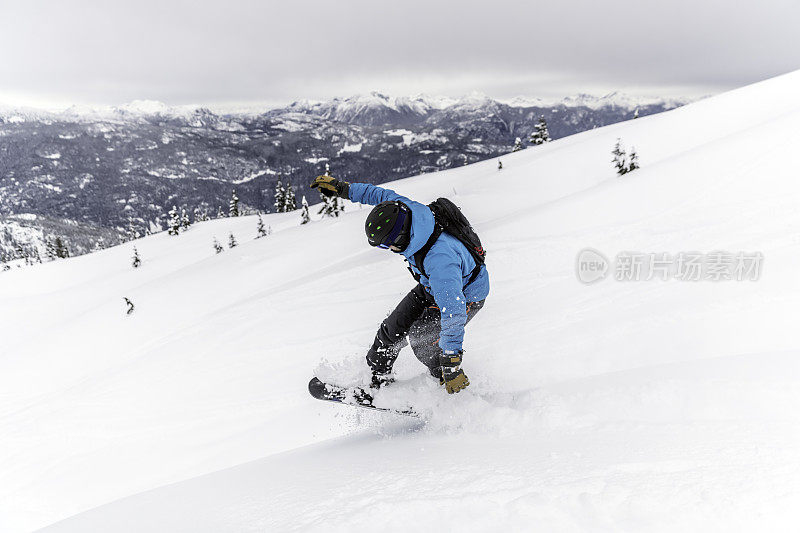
[540, 135]
[325, 208]
[327, 169]
[33, 256]
[131, 233]
[280, 197]
[174, 222]
[499, 165]
[517, 145]
[62, 249]
[633, 160]
[49, 248]
[185, 223]
[136, 260]
[304, 216]
[636, 113]
[21, 253]
[289, 203]
[620, 159]
[231, 241]
[220, 212]
[331, 207]
[260, 230]
[217, 246]
[233, 205]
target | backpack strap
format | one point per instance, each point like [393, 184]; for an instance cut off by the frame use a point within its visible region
[475, 272]
[419, 257]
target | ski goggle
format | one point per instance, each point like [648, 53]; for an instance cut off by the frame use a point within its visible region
[396, 229]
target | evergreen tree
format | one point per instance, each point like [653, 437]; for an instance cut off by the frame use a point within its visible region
[185, 223]
[233, 205]
[280, 197]
[231, 241]
[633, 160]
[327, 169]
[131, 233]
[541, 134]
[50, 248]
[217, 246]
[331, 207]
[304, 216]
[338, 206]
[220, 214]
[174, 222]
[636, 113]
[517, 145]
[325, 208]
[620, 159]
[289, 203]
[62, 250]
[261, 232]
[136, 261]
[499, 165]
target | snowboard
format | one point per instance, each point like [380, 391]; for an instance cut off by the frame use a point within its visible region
[355, 396]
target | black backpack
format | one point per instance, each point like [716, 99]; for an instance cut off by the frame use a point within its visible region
[448, 218]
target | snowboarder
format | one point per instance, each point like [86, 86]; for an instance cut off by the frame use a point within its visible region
[452, 285]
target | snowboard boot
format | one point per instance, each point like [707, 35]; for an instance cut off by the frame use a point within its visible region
[380, 379]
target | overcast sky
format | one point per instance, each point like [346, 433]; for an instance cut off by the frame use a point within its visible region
[213, 52]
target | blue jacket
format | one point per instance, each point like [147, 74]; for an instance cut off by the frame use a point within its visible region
[448, 264]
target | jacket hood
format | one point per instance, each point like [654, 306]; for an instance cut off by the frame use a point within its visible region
[422, 224]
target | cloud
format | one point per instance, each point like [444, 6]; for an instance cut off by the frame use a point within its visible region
[204, 51]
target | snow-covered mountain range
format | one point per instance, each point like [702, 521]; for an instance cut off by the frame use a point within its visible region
[95, 170]
[631, 404]
[367, 107]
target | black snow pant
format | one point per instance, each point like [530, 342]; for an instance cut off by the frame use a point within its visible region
[417, 317]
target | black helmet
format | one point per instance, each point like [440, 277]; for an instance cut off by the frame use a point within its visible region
[388, 224]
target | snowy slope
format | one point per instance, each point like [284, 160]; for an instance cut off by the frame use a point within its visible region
[618, 406]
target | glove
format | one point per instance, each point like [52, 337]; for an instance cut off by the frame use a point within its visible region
[330, 187]
[453, 378]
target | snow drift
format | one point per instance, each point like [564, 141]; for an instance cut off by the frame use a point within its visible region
[657, 405]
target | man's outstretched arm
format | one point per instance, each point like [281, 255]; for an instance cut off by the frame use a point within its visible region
[363, 193]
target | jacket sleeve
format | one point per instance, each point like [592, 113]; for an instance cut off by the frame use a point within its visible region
[447, 288]
[365, 193]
